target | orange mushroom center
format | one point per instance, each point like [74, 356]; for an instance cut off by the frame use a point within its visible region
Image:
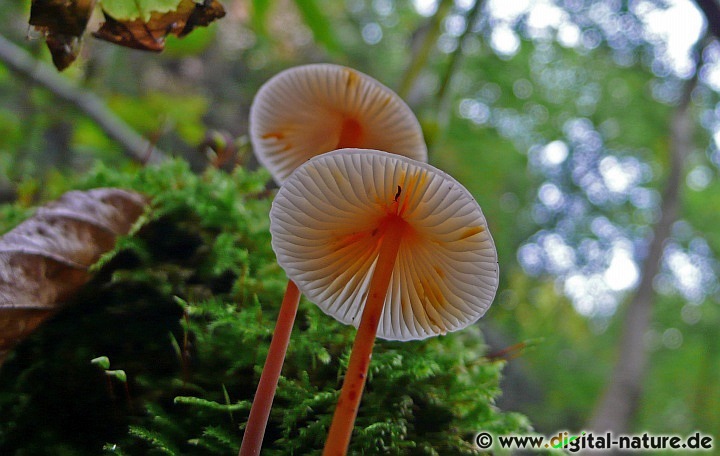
[351, 134]
[391, 222]
[392, 218]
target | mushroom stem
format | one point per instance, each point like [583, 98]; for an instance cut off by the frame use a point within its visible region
[260, 410]
[354, 383]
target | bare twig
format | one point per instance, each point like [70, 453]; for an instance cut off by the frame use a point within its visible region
[22, 63]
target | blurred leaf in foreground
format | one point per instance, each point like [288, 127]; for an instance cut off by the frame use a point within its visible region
[63, 24]
[134, 30]
[137, 24]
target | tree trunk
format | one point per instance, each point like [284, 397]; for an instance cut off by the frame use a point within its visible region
[620, 401]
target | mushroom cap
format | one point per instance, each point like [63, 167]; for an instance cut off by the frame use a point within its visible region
[325, 220]
[311, 109]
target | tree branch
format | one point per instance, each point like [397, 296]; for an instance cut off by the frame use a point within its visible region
[22, 63]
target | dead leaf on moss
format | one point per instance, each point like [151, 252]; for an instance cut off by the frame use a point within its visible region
[45, 259]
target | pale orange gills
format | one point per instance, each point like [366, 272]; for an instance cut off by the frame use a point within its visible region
[328, 221]
[312, 109]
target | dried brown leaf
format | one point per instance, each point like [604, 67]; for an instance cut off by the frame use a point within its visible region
[150, 35]
[45, 260]
[203, 15]
[63, 24]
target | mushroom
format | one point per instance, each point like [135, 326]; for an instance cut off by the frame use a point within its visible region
[298, 114]
[392, 246]
[312, 109]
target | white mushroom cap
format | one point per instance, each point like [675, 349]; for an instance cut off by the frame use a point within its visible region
[324, 224]
[312, 109]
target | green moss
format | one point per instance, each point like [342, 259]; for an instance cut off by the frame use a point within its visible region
[185, 307]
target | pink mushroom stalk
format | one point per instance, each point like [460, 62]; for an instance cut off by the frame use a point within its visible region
[390, 245]
[296, 115]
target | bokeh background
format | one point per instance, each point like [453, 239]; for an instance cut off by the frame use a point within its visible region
[587, 130]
